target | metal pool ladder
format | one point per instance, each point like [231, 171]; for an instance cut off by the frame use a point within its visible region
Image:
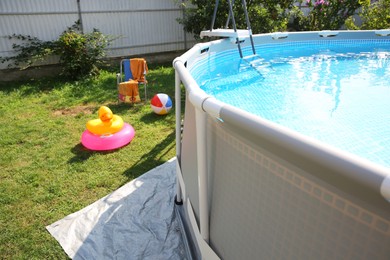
[229, 32]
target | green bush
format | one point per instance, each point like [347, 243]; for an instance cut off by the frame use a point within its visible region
[80, 54]
[325, 14]
[373, 16]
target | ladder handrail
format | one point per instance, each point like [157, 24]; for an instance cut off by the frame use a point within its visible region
[249, 25]
[228, 19]
[231, 16]
[235, 27]
[214, 14]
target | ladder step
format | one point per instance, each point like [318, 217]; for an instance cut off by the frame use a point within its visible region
[230, 33]
[255, 60]
[258, 63]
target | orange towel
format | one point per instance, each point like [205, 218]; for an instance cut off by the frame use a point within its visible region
[139, 68]
[128, 91]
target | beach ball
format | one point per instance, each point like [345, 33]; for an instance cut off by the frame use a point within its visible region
[161, 104]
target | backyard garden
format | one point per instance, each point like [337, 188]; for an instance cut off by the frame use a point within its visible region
[47, 174]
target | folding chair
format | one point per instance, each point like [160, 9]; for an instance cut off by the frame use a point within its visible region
[132, 75]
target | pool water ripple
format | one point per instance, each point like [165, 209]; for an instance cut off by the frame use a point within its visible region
[338, 93]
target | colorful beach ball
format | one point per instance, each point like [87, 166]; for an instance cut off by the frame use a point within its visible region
[161, 104]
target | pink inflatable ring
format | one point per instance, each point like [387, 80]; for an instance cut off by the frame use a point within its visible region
[108, 142]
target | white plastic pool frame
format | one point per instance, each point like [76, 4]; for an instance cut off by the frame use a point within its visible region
[252, 189]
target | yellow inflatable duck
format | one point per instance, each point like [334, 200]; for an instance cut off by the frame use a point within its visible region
[106, 124]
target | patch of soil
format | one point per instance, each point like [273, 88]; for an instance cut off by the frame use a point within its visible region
[74, 111]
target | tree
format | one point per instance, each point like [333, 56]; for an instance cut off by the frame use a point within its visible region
[272, 15]
[265, 15]
[373, 15]
[328, 14]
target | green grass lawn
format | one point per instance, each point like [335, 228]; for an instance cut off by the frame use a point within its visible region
[45, 172]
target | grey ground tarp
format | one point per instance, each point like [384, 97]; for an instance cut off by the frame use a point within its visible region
[137, 221]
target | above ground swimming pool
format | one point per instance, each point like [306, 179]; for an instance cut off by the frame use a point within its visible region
[336, 91]
[285, 153]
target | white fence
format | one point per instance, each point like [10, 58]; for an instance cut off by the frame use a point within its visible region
[143, 27]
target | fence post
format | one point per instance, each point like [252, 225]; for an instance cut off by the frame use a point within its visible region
[80, 17]
[183, 6]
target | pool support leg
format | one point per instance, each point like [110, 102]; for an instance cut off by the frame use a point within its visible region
[202, 173]
[178, 198]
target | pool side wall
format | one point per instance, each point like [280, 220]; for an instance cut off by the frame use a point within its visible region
[271, 192]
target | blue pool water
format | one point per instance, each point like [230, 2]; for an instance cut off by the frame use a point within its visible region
[337, 92]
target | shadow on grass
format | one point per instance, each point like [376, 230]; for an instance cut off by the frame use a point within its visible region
[94, 89]
[152, 117]
[147, 161]
[121, 107]
[33, 86]
[151, 159]
[82, 154]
